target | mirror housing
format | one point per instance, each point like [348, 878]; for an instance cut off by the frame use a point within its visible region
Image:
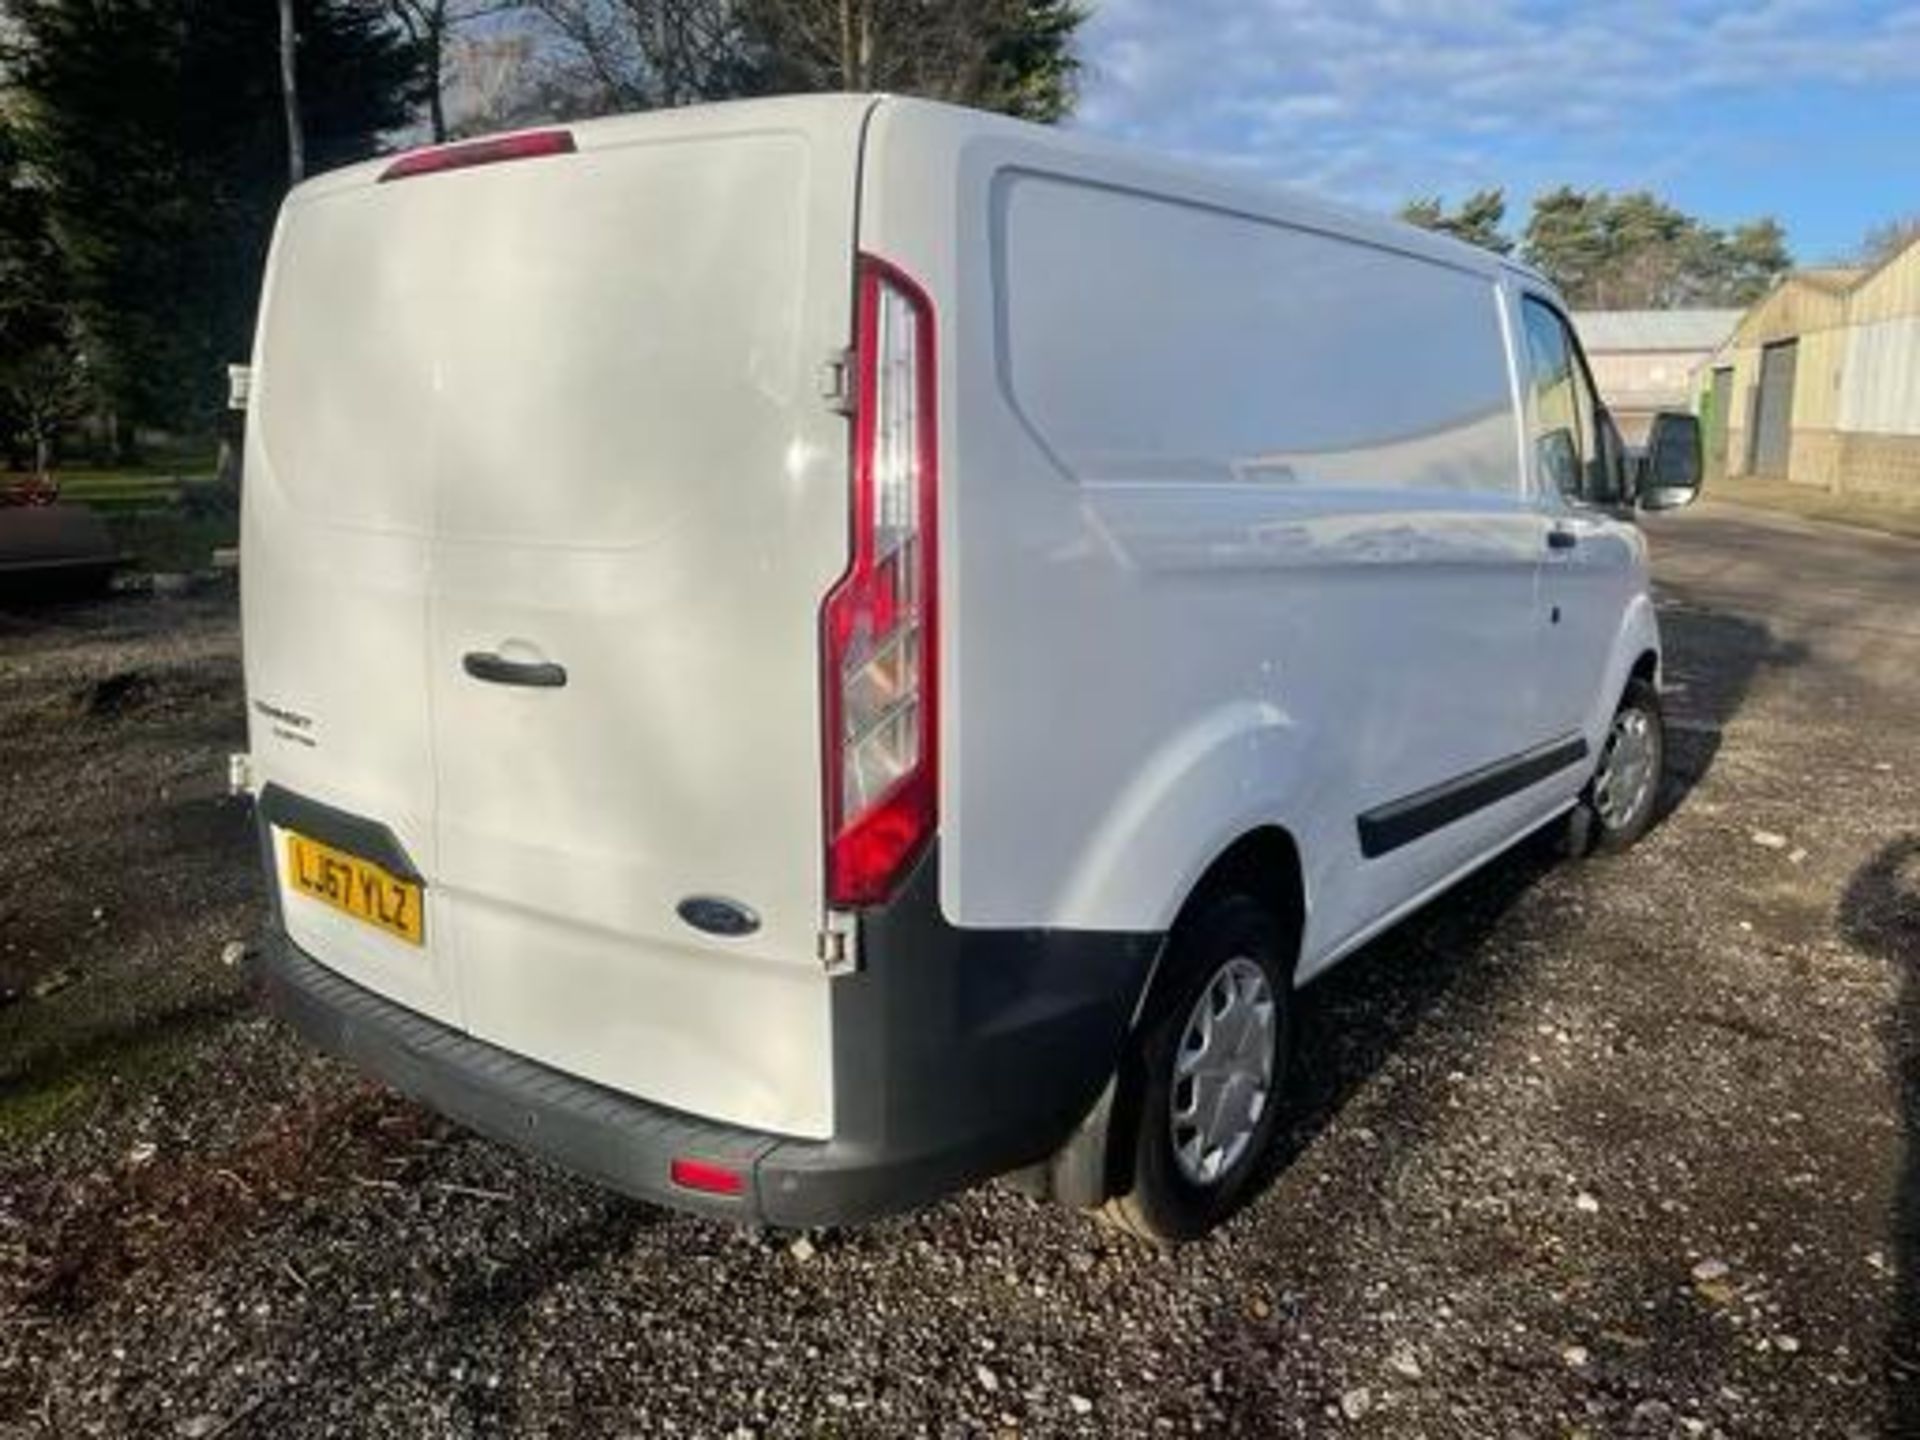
[1616, 474]
[1674, 465]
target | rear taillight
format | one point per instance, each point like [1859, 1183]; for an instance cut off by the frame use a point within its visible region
[527, 145]
[880, 631]
[706, 1175]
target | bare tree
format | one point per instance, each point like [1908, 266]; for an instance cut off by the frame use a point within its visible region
[290, 92]
[1883, 242]
[497, 81]
[1012, 55]
[923, 46]
[432, 29]
[425, 22]
[650, 54]
[45, 388]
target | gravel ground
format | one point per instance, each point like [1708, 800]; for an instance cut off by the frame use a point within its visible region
[1617, 1148]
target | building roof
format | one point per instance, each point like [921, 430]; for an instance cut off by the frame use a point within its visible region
[1830, 277]
[1630, 330]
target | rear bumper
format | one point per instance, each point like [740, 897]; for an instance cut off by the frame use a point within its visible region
[959, 1054]
[613, 1138]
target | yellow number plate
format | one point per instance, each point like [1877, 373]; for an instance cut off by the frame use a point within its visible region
[358, 887]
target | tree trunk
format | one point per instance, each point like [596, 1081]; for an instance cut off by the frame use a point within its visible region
[866, 46]
[290, 91]
[436, 102]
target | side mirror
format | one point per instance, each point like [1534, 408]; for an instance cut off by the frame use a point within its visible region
[1671, 472]
[1614, 478]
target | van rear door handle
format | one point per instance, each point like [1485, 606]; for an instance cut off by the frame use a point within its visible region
[498, 670]
[1561, 539]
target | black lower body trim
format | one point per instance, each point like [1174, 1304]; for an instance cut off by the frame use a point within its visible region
[1400, 822]
[959, 1054]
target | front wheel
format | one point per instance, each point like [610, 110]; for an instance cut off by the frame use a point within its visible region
[1210, 1060]
[1619, 803]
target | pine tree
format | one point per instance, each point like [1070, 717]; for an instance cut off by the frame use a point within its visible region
[156, 129]
[1477, 221]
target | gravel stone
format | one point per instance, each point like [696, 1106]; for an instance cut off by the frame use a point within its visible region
[307, 1255]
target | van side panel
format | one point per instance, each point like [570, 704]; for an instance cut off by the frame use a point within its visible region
[1236, 532]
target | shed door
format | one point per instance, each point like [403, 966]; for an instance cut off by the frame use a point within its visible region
[1719, 413]
[1773, 410]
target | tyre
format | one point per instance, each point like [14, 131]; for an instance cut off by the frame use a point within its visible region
[1620, 802]
[1208, 1064]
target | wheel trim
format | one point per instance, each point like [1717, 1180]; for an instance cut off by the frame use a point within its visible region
[1626, 773]
[1223, 1072]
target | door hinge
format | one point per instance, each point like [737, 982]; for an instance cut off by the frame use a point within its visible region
[836, 382]
[837, 944]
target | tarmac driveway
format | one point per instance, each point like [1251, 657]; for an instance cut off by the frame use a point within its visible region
[1610, 1148]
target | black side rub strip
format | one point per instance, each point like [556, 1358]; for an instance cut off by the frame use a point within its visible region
[1400, 822]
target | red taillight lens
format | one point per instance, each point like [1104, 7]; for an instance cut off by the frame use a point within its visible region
[525, 146]
[706, 1176]
[880, 636]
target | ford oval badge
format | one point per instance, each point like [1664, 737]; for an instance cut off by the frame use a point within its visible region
[717, 916]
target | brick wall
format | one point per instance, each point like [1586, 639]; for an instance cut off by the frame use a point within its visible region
[1887, 467]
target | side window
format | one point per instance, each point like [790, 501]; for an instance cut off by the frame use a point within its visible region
[1566, 441]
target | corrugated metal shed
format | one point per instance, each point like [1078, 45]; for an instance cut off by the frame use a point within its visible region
[1805, 300]
[1855, 402]
[1654, 330]
[1880, 370]
[1645, 361]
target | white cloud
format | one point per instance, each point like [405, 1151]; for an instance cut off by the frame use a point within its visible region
[1379, 99]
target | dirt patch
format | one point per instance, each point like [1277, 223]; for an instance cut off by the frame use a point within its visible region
[125, 865]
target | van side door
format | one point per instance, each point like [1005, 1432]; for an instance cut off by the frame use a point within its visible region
[1593, 557]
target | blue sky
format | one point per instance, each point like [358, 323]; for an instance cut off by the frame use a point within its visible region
[1808, 110]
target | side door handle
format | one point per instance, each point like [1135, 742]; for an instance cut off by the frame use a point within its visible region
[496, 669]
[1562, 539]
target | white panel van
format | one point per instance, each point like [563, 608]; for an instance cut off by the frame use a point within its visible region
[806, 653]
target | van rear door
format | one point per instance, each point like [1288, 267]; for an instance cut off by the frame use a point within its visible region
[606, 367]
[336, 532]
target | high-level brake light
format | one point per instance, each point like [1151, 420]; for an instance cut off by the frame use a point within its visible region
[879, 626]
[527, 145]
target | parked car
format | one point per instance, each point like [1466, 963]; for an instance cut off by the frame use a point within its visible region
[806, 653]
[51, 547]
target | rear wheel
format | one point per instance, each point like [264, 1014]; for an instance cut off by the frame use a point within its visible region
[1619, 803]
[1210, 1058]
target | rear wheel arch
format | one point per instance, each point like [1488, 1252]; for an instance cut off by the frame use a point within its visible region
[1263, 864]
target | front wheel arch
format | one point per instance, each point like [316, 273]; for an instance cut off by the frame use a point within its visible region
[1588, 831]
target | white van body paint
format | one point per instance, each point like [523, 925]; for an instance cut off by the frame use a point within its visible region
[1239, 527]
[1189, 537]
[569, 408]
